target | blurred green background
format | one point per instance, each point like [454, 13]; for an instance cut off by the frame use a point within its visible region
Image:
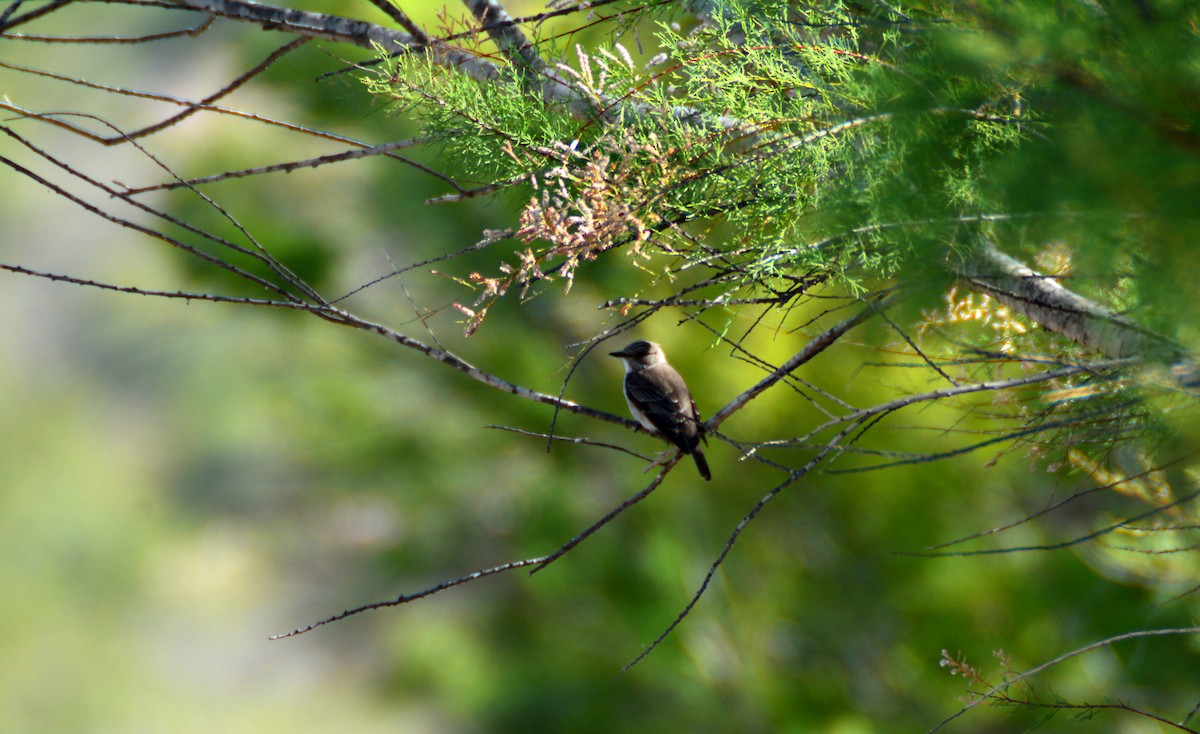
[178, 481]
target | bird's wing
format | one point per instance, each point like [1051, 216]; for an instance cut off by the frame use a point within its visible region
[665, 409]
[699, 421]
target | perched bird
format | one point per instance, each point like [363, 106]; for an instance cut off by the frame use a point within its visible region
[660, 401]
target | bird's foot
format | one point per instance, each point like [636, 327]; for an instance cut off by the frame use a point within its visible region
[663, 458]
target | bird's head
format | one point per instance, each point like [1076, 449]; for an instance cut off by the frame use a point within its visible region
[641, 354]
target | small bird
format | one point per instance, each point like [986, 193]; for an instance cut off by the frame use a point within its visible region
[660, 401]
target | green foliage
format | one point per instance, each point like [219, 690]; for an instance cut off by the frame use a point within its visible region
[846, 140]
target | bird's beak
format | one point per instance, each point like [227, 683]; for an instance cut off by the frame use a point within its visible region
[618, 354]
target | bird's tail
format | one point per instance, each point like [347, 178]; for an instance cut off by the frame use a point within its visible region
[701, 463]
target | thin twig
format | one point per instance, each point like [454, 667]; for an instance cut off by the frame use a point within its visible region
[194, 31]
[612, 514]
[290, 166]
[135, 291]
[1106, 642]
[1054, 506]
[405, 598]
[579, 441]
[398, 15]
[815, 346]
[794, 475]
[1064, 544]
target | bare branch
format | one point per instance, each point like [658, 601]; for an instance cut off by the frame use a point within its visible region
[228, 88]
[1032, 429]
[1089, 708]
[344, 30]
[348, 319]
[127, 136]
[815, 346]
[290, 166]
[1127, 522]
[259, 253]
[917, 350]
[794, 475]
[7, 21]
[612, 514]
[1108, 641]
[1054, 506]
[133, 290]
[578, 441]
[194, 31]
[398, 15]
[406, 598]
[211, 259]
[986, 386]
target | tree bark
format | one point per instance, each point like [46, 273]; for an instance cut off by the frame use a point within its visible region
[1043, 300]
